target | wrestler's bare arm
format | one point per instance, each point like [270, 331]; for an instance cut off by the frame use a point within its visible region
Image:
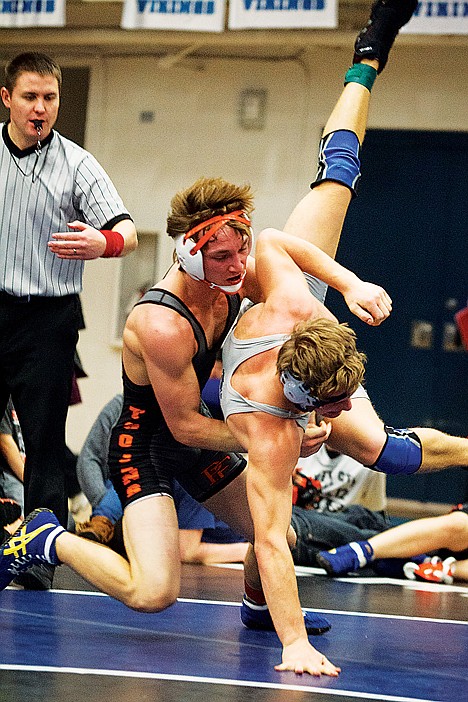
[315, 435]
[280, 258]
[274, 445]
[167, 347]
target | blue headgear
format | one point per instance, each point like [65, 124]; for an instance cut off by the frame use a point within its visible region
[297, 392]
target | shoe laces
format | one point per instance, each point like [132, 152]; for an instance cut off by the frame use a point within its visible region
[23, 562]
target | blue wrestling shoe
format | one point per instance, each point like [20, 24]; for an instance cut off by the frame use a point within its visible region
[33, 543]
[258, 617]
[345, 559]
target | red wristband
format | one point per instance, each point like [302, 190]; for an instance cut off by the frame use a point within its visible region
[114, 243]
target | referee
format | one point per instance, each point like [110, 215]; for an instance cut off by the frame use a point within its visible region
[58, 208]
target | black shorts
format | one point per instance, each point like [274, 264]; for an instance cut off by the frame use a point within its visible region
[144, 458]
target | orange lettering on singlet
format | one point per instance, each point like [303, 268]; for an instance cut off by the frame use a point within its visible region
[133, 490]
[125, 440]
[215, 471]
[131, 425]
[130, 476]
[128, 469]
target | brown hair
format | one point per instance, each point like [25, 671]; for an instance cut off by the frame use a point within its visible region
[31, 62]
[322, 354]
[206, 198]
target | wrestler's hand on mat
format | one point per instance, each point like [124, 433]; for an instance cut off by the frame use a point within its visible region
[314, 436]
[85, 243]
[371, 303]
[301, 657]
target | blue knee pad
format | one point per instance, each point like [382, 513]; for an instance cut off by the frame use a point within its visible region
[339, 159]
[402, 453]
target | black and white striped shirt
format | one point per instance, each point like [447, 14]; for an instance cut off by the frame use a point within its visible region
[40, 195]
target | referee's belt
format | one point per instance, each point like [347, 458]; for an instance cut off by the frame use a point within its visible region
[24, 299]
[15, 299]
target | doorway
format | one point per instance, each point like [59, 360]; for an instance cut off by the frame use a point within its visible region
[407, 231]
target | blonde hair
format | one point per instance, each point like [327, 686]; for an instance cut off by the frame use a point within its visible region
[322, 354]
[206, 198]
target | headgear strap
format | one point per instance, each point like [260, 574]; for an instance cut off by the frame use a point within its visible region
[216, 223]
[297, 392]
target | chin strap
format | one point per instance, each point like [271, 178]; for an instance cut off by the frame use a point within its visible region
[228, 289]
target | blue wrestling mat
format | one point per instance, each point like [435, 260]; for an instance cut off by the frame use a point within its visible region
[382, 657]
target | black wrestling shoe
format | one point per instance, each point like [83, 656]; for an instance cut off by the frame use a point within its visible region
[376, 39]
[39, 577]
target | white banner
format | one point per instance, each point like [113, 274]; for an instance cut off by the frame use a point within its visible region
[439, 17]
[282, 14]
[32, 13]
[189, 15]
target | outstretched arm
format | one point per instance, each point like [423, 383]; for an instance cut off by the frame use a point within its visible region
[270, 499]
[280, 258]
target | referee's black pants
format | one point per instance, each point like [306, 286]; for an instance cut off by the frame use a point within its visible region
[38, 337]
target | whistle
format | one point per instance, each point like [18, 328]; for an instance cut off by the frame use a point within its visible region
[38, 127]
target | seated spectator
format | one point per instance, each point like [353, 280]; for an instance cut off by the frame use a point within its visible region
[12, 460]
[203, 538]
[344, 481]
[335, 497]
[12, 457]
[77, 502]
[93, 476]
[444, 537]
[319, 528]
